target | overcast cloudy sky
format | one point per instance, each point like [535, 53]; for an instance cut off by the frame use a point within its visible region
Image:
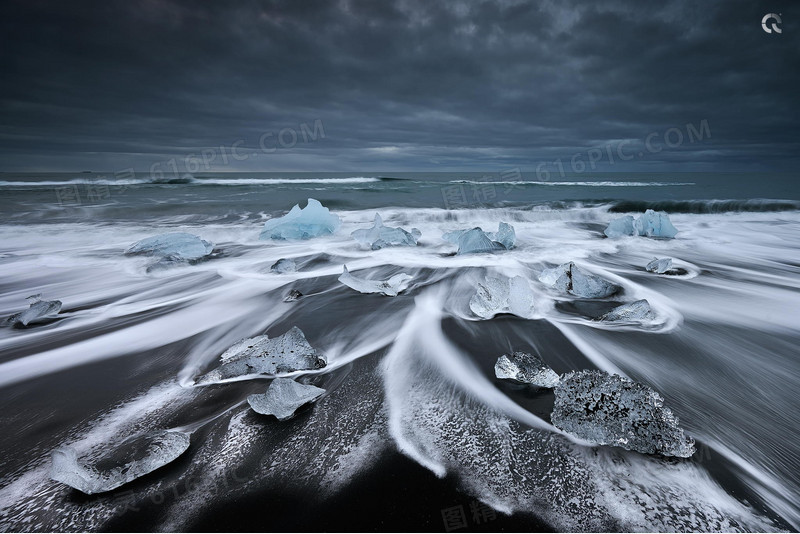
[396, 85]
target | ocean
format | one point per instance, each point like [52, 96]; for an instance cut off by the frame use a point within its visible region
[414, 431]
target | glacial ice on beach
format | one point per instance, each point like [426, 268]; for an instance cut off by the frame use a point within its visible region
[283, 397]
[391, 287]
[569, 278]
[263, 355]
[659, 266]
[526, 368]
[131, 459]
[475, 240]
[380, 236]
[649, 224]
[292, 296]
[284, 265]
[609, 409]
[497, 295]
[174, 246]
[312, 221]
[637, 311]
[39, 309]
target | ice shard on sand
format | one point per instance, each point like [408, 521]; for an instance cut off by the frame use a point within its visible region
[39, 310]
[475, 240]
[391, 287]
[650, 224]
[380, 236]
[175, 246]
[527, 368]
[283, 397]
[498, 294]
[570, 279]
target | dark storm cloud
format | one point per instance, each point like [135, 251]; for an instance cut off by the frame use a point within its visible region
[395, 85]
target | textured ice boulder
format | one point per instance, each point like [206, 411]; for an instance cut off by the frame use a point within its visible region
[263, 355]
[659, 266]
[283, 397]
[283, 265]
[38, 310]
[649, 224]
[497, 295]
[526, 368]
[391, 287]
[380, 236]
[633, 312]
[655, 224]
[620, 227]
[475, 240]
[174, 246]
[131, 459]
[312, 221]
[569, 278]
[611, 410]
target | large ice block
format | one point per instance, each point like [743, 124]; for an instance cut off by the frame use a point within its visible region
[312, 221]
[570, 279]
[475, 240]
[283, 397]
[380, 236]
[263, 355]
[526, 368]
[175, 246]
[611, 410]
[649, 224]
[391, 287]
[38, 310]
[119, 464]
[497, 295]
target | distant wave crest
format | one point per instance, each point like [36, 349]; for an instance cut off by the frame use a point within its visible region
[578, 184]
[705, 206]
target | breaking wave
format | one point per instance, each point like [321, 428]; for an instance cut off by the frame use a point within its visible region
[706, 206]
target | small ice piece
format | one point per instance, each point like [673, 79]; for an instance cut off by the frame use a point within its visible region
[391, 287]
[659, 266]
[503, 295]
[620, 227]
[262, 355]
[633, 312]
[292, 296]
[173, 246]
[38, 310]
[312, 221]
[131, 459]
[380, 236]
[284, 265]
[569, 278]
[526, 368]
[283, 397]
[475, 240]
[655, 224]
[609, 409]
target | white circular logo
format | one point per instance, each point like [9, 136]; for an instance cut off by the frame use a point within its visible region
[773, 27]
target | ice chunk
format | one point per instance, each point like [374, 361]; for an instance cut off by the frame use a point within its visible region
[312, 221]
[649, 224]
[292, 296]
[526, 368]
[655, 224]
[391, 287]
[131, 459]
[503, 295]
[629, 313]
[620, 227]
[505, 235]
[284, 265]
[173, 246]
[262, 355]
[37, 311]
[569, 278]
[283, 397]
[380, 236]
[659, 266]
[476, 240]
[611, 410]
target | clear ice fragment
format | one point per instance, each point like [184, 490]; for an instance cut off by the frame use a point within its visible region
[283, 397]
[37, 311]
[380, 236]
[173, 246]
[659, 266]
[633, 312]
[570, 279]
[391, 287]
[526, 368]
[284, 265]
[497, 295]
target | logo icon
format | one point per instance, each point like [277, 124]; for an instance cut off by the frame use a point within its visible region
[773, 27]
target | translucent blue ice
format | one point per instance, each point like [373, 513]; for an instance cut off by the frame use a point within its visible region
[570, 279]
[380, 236]
[39, 309]
[649, 224]
[312, 221]
[174, 246]
[475, 240]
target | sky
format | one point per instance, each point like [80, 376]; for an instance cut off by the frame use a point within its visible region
[368, 86]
